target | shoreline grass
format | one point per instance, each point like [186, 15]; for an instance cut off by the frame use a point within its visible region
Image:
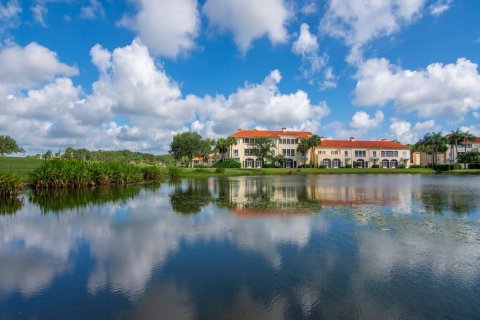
[10, 185]
[62, 173]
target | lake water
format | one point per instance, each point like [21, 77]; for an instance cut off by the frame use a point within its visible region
[286, 247]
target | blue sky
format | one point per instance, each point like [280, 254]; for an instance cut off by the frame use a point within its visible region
[130, 74]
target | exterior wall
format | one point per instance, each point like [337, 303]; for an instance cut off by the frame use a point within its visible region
[347, 156]
[238, 152]
[427, 159]
[451, 154]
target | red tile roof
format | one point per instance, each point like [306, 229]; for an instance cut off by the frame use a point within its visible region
[365, 144]
[269, 134]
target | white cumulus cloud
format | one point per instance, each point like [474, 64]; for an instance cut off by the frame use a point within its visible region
[357, 22]
[362, 120]
[438, 90]
[168, 28]
[406, 132]
[249, 19]
[31, 65]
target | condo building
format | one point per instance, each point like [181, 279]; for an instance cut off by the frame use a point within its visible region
[469, 146]
[361, 153]
[329, 153]
[285, 141]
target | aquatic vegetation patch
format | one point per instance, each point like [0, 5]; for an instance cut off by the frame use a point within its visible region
[10, 185]
[61, 173]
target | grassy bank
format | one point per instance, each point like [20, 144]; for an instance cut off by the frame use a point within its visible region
[187, 172]
[21, 167]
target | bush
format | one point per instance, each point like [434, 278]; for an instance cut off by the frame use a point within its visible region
[348, 166]
[269, 165]
[401, 166]
[474, 166]
[305, 166]
[375, 166]
[321, 166]
[10, 185]
[152, 174]
[227, 163]
[174, 172]
[416, 166]
[446, 167]
[220, 170]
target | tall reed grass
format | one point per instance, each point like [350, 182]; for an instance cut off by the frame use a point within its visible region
[62, 173]
[10, 185]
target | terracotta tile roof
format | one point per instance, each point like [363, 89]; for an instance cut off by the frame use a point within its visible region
[270, 134]
[365, 144]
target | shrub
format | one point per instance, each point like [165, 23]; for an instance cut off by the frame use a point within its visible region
[401, 166]
[269, 165]
[220, 170]
[305, 166]
[348, 166]
[227, 163]
[321, 166]
[474, 166]
[375, 166]
[174, 172]
[152, 174]
[416, 166]
[10, 185]
[446, 167]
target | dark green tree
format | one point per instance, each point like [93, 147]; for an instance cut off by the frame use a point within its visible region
[188, 145]
[303, 147]
[8, 146]
[262, 148]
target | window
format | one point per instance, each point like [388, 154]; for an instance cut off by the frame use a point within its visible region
[360, 153]
[296, 141]
[322, 152]
[288, 152]
[389, 154]
[334, 152]
[235, 153]
[248, 152]
[374, 154]
[404, 154]
[346, 153]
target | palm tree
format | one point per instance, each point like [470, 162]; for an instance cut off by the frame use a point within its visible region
[222, 147]
[436, 142]
[454, 138]
[303, 148]
[313, 141]
[467, 137]
[230, 141]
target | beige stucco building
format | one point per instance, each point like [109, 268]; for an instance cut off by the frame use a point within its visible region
[286, 143]
[363, 154]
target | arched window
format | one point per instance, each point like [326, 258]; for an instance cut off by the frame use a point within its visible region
[327, 163]
[336, 163]
[385, 163]
[393, 163]
[360, 163]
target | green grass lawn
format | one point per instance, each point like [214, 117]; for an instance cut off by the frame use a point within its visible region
[19, 166]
